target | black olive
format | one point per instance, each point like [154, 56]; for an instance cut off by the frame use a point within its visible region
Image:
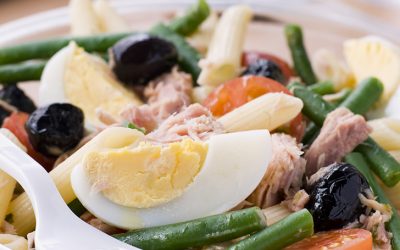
[4, 113]
[55, 128]
[334, 200]
[266, 68]
[17, 98]
[141, 57]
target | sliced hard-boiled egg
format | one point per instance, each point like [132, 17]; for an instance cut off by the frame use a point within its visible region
[147, 175]
[234, 165]
[74, 76]
[329, 68]
[375, 56]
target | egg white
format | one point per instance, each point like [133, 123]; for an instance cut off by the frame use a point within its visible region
[234, 166]
[51, 88]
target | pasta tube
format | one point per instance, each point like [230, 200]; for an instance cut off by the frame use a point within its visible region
[386, 132]
[265, 112]
[275, 213]
[200, 93]
[108, 19]
[202, 37]
[224, 54]
[7, 183]
[83, 18]
[13, 242]
[113, 137]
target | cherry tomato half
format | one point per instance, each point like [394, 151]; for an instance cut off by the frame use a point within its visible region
[251, 56]
[239, 91]
[16, 124]
[345, 239]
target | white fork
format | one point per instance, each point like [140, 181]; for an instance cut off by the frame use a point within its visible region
[57, 228]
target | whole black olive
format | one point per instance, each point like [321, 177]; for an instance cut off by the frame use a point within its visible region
[17, 98]
[334, 200]
[141, 57]
[266, 68]
[55, 128]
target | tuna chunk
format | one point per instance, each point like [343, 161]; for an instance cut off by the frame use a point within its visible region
[298, 202]
[377, 216]
[99, 224]
[195, 122]
[284, 174]
[341, 132]
[165, 95]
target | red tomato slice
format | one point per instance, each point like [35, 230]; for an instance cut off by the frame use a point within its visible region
[251, 56]
[345, 239]
[16, 124]
[239, 91]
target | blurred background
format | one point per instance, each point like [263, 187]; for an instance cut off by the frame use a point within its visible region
[385, 11]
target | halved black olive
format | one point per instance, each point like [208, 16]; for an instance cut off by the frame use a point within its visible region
[334, 198]
[266, 68]
[17, 98]
[55, 128]
[141, 57]
[14, 96]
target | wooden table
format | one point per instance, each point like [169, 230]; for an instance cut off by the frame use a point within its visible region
[14, 9]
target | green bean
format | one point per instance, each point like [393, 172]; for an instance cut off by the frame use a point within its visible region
[12, 73]
[302, 65]
[364, 96]
[188, 23]
[76, 207]
[188, 59]
[312, 131]
[315, 108]
[358, 161]
[196, 233]
[188, 56]
[47, 48]
[285, 232]
[342, 95]
[322, 88]
[381, 162]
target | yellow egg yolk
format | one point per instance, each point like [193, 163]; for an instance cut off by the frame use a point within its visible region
[147, 175]
[90, 85]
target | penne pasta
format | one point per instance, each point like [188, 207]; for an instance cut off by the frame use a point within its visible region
[225, 51]
[108, 19]
[83, 18]
[13, 242]
[202, 37]
[7, 183]
[113, 137]
[200, 93]
[265, 112]
[275, 213]
[386, 132]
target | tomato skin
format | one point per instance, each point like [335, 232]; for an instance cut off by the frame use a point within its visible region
[249, 57]
[239, 91]
[344, 239]
[16, 124]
